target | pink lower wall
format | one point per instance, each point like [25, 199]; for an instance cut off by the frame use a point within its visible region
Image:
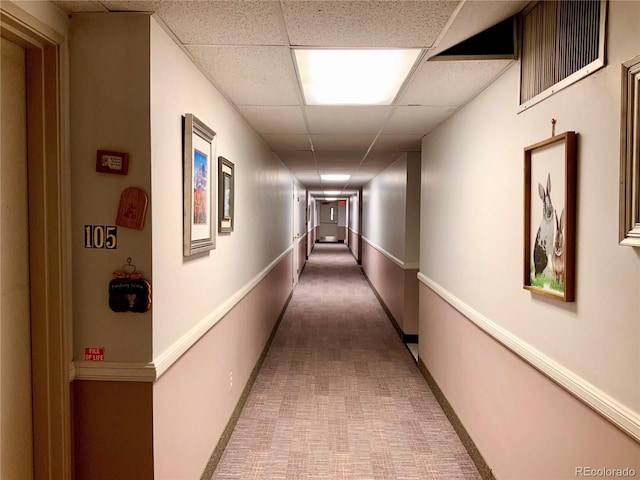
[193, 401]
[397, 287]
[354, 243]
[524, 424]
[342, 233]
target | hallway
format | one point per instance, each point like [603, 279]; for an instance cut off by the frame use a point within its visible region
[338, 395]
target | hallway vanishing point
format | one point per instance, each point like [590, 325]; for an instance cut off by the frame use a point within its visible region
[338, 395]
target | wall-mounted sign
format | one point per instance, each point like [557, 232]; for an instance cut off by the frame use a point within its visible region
[101, 236]
[132, 208]
[112, 162]
[93, 354]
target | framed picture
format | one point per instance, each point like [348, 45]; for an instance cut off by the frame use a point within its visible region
[630, 154]
[549, 217]
[226, 189]
[108, 161]
[199, 187]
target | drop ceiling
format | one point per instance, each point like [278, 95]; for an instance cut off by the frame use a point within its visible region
[245, 49]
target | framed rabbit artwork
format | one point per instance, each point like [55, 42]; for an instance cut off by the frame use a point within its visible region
[549, 217]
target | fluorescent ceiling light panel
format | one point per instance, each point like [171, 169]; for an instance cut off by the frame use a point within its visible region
[332, 177]
[332, 192]
[353, 77]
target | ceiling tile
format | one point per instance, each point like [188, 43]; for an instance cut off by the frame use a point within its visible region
[351, 157]
[250, 75]
[365, 23]
[298, 157]
[343, 120]
[398, 143]
[224, 23]
[342, 142]
[131, 5]
[287, 142]
[414, 120]
[451, 83]
[275, 119]
[381, 157]
[78, 6]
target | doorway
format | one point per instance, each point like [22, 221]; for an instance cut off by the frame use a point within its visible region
[328, 221]
[35, 352]
[16, 438]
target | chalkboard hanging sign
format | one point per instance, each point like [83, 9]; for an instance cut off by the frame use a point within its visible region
[128, 291]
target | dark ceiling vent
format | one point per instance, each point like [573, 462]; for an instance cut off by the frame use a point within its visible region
[495, 43]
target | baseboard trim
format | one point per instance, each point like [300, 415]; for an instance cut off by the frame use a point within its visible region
[624, 418]
[231, 425]
[465, 438]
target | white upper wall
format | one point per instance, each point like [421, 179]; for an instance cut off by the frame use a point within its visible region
[472, 219]
[354, 213]
[187, 290]
[109, 110]
[412, 222]
[384, 208]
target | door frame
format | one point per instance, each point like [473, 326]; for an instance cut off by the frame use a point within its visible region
[49, 231]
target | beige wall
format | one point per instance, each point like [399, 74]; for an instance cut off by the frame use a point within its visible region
[109, 112]
[390, 238]
[472, 247]
[525, 425]
[396, 286]
[193, 401]
[212, 313]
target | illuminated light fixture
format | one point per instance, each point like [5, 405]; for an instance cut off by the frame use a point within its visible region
[330, 199]
[332, 192]
[335, 177]
[353, 77]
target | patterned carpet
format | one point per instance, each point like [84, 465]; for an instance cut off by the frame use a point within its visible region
[339, 396]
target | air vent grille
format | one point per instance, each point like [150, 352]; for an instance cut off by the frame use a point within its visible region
[562, 41]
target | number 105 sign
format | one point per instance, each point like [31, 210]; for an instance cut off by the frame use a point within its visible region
[101, 236]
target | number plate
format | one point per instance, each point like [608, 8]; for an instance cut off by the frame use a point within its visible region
[101, 236]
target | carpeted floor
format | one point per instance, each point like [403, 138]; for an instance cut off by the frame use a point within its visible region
[339, 396]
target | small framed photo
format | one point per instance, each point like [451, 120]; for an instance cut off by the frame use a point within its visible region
[226, 192]
[199, 186]
[549, 217]
[108, 161]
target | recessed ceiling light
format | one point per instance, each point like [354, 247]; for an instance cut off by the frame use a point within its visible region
[332, 192]
[330, 199]
[353, 77]
[334, 177]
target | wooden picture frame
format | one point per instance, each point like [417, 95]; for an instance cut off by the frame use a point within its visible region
[199, 192]
[629, 231]
[550, 208]
[226, 189]
[108, 161]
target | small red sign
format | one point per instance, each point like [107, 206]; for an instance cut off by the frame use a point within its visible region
[93, 354]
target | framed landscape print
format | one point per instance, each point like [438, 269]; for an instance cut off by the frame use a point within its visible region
[199, 186]
[226, 193]
[549, 217]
